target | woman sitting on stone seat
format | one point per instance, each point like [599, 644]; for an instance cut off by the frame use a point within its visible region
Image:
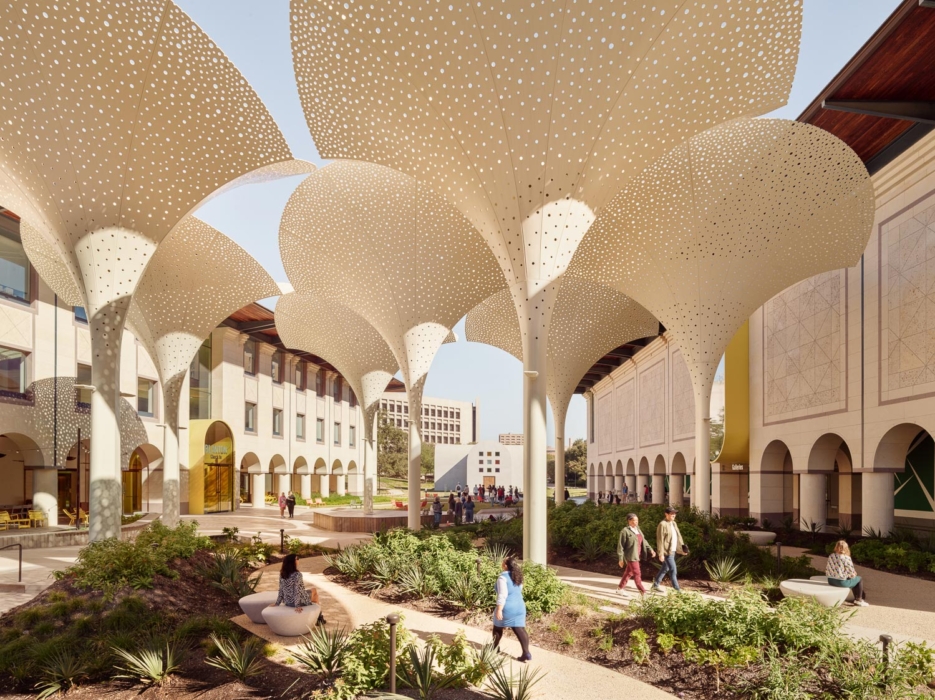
[292, 591]
[842, 574]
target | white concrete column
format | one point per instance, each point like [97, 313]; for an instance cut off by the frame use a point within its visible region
[559, 469]
[676, 490]
[342, 485]
[630, 481]
[414, 517]
[701, 480]
[877, 501]
[171, 490]
[324, 485]
[768, 496]
[642, 481]
[355, 484]
[283, 483]
[370, 456]
[305, 485]
[812, 505]
[258, 492]
[659, 488]
[45, 493]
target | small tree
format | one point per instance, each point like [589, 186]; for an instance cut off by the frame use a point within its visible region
[392, 448]
[717, 434]
[576, 460]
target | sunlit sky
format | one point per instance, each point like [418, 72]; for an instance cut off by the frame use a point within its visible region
[255, 35]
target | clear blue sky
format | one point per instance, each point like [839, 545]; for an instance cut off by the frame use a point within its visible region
[255, 35]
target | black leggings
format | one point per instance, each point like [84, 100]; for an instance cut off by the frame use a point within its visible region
[520, 633]
[858, 591]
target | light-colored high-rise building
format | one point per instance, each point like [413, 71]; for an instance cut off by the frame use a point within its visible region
[511, 439]
[444, 421]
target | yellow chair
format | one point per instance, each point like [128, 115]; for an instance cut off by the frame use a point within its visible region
[5, 521]
[38, 517]
[22, 521]
[71, 515]
[83, 516]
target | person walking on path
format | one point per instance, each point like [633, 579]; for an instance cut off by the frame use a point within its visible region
[631, 547]
[459, 510]
[567, 495]
[626, 492]
[668, 543]
[451, 504]
[842, 574]
[437, 510]
[511, 608]
[469, 510]
[646, 496]
[282, 504]
[290, 504]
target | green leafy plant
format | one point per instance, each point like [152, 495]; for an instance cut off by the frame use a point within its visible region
[420, 672]
[243, 661]
[665, 642]
[639, 646]
[151, 664]
[466, 591]
[228, 571]
[412, 580]
[322, 651]
[509, 687]
[724, 570]
[367, 656]
[230, 533]
[60, 672]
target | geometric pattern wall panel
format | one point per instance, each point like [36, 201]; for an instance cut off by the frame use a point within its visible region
[508, 108]
[625, 400]
[724, 222]
[805, 348]
[652, 415]
[683, 399]
[605, 424]
[907, 302]
[915, 487]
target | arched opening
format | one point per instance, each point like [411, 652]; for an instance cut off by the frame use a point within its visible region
[677, 480]
[277, 479]
[600, 479]
[20, 460]
[355, 479]
[324, 479]
[249, 465]
[142, 481]
[643, 481]
[905, 460]
[658, 492]
[218, 469]
[301, 478]
[774, 487]
[629, 478]
[338, 478]
[829, 492]
[618, 477]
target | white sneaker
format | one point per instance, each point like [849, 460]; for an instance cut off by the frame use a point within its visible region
[862, 603]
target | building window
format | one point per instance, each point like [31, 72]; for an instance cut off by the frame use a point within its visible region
[249, 418]
[495, 454]
[15, 272]
[406, 409]
[337, 390]
[277, 422]
[480, 461]
[83, 376]
[276, 367]
[81, 316]
[497, 469]
[249, 357]
[300, 427]
[352, 399]
[301, 376]
[320, 382]
[352, 436]
[199, 383]
[337, 433]
[12, 371]
[320, 429]
[145, 397]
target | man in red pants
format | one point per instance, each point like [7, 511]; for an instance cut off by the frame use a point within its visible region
[631, 547]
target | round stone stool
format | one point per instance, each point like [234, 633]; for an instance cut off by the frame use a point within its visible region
[286, 622]
[253, 605]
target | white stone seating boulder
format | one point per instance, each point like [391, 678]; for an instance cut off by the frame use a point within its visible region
[253, 605]
[759, 537]
[826, 595]
[288, 622]
[824, 579]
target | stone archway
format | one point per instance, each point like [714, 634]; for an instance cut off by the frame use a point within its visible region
[25, 480]
[659, 480]
[629, 478]
[677, 480]
[828, 474]
[643, 480]
[302, 478]
[338, 478]
[141, 481]
[774, 487]
[901, 466]
[252, 480]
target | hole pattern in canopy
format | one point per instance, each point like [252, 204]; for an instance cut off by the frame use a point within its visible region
[398, 254]
[529, 116]
[589, 321]
[178, 301]
[338, 335]
[726, 221]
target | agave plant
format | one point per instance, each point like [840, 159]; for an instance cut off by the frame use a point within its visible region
[152, 664]
[59, 673]
[724, 570]
[322, 652]
[844, 529]
[384, 574]
[466, 591]
[240, 660]
[420, 673]
[509, 687]
[496, 551]
[412, 580]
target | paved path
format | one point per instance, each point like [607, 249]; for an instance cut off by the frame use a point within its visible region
[38, 565]
[267, 522]
[566, 677]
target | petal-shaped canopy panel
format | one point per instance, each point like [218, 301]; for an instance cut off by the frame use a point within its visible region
[726, 221]
[197, 277]
[530, 116]
[391, 250]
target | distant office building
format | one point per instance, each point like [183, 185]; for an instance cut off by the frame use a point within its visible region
[511, 439]
[486, 463]
[444, 421]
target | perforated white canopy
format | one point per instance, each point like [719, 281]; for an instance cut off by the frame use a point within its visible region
[723, 223]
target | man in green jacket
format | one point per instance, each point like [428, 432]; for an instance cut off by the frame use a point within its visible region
[669, 542]
[630, 546]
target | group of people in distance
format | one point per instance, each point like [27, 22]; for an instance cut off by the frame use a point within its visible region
[286, 502]
[633, 547]
[624, 495]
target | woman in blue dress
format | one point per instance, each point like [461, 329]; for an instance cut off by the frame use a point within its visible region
[511, 608]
